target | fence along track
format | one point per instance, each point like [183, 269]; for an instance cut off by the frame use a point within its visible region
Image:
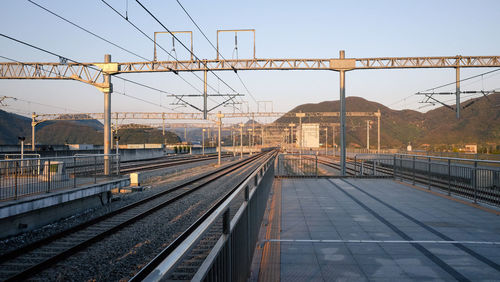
[96, 232]
[457, 185]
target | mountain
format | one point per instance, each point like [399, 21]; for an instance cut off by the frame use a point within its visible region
[479, 123]
[12, 126]
[439, 128]
[72, 132]
[147, 136]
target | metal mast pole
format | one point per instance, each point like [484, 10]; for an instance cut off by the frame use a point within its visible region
[219, 148]
[205, 94]
[203, 141]
[326, 141]
[342, 117]
[262, 136]
[378, 131]
[368, 135]
[241, 139]
[107, 90]
[458, 91]
[301, 135]
[33, 124]
[234, 141]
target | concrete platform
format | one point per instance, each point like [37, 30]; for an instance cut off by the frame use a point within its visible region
[375, 230]
[30, 212]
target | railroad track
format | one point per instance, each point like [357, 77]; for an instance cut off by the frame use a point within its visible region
[23, 263]
[456, 187]
[188, 267]
[166, 163]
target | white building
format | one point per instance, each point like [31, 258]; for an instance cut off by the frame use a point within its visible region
[309, 134]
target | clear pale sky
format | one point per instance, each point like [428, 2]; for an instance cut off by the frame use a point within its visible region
[284, 29]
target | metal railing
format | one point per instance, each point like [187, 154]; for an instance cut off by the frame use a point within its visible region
[478, 180]
[297, 165]
[230, 258]
[24, 177]
[373, 165]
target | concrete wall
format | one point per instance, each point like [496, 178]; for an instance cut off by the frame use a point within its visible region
[125, 154]
[32, 212]
[140, 154]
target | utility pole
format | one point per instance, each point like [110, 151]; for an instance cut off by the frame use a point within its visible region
[378, 131]
[205, 95]
[368, 135]
[292, 125]
[233, 136]
[117, 139]
[287, 136]
[22, 138]
[107, 89]
[203, 141]
[300, 116]
[219, 148]
[241, 139]
[253, 133]
[262, 136]
[458, 91]
[250, 144]
[342, 117]
[33, 124]
[326, 141]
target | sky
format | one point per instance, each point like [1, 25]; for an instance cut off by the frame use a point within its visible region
[284, 29]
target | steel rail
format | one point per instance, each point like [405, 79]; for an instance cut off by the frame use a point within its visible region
[151, 266]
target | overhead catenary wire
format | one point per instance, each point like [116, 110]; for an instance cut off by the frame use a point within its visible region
[118, 92]
[88, 31]
[105, 40]
[159, 46]
[444, 85]
[91, 67]
[204, 35]
[464, 79]
[57, 55]
[183, 45]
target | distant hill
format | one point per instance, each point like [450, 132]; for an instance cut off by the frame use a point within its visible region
[146, 136]
[479, 123]
[12, 126]
[72, 132]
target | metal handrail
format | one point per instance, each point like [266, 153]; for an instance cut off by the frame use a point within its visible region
[63, 157]
[446, 158]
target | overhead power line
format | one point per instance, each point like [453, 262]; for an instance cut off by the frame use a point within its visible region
[88, 31]
[204, 35]
[158, 45]
[124, 79]
[464, 79]
[102, 38]
[91, 67]
[183, 45]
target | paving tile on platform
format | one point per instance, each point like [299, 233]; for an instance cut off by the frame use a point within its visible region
[301, 272]
[342, 272]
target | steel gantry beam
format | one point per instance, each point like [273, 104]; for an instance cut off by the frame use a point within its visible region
[92, 73]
